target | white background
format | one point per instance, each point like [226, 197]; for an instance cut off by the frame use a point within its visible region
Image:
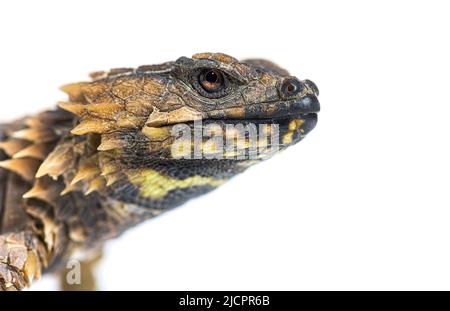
[362, 203]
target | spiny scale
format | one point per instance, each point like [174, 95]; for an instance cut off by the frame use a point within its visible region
[112, 178]
[26, 168]
[91, 125]
[57, 161]
[74, 107]
[96, 184]
[100, 110]
[86, 170]
[36, 151]
[44, 189]
[35, 134]
[111, 141]
[12, 146]
[74, 90]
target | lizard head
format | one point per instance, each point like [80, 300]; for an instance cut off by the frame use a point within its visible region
[169, 132]
[241, 102]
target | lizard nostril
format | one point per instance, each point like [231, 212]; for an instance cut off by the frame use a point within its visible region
[313, 86]
[291, 87]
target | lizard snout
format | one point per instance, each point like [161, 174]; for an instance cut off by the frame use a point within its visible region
[307, 104]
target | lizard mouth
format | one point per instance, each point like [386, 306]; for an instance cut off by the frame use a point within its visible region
[291, 128]
[258, 133]
[298, 116]
[309, 121]
[255, 138]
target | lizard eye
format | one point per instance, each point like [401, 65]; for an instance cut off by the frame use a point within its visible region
[211, 80]
[211, 83]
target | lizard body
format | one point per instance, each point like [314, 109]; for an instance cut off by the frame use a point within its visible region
[133, 143]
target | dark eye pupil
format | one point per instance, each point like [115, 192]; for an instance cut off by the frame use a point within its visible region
[212, 81]
[212, 77]
[291, 88]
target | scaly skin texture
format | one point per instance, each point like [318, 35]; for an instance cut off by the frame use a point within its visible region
[110, 158]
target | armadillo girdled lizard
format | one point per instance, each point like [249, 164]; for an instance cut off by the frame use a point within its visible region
[132, 143]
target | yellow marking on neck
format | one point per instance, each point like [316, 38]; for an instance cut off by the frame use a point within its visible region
[155, 185]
